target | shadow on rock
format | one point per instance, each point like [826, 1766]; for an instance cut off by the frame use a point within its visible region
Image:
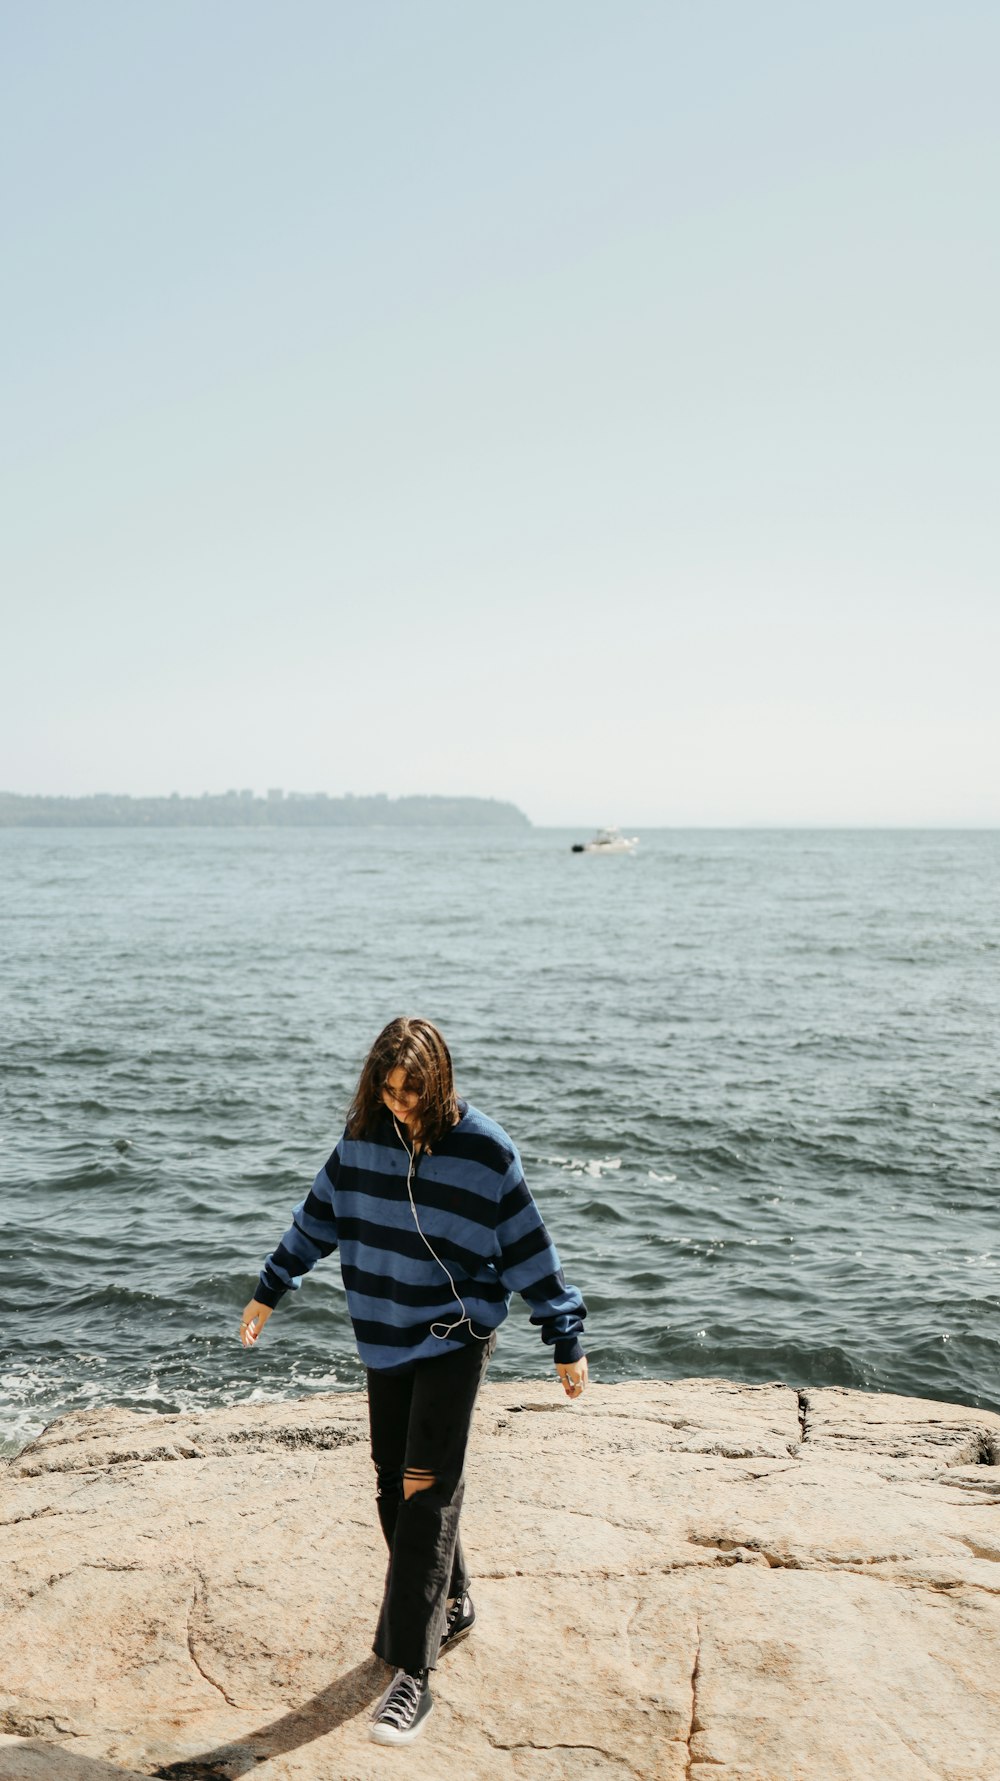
[343, 1700]
[36, 1760]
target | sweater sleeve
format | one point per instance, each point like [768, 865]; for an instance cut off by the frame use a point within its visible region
[528, 1264]
[311, 1235]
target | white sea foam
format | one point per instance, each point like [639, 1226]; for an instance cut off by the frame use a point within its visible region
[579, 1166]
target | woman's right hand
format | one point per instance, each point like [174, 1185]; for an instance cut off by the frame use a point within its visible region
[252, 1322]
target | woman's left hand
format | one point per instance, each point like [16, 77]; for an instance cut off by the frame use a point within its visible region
[573, 1375]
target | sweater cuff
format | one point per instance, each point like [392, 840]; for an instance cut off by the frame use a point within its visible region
[568, 1350]
[268, 1295]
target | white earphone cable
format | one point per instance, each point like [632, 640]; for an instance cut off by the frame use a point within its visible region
[441, 1331]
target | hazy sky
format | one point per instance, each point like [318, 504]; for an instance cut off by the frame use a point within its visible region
[594, 405]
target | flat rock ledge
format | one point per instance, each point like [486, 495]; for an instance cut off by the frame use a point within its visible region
[699, 1579]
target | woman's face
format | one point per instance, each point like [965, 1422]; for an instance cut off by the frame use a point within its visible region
[401, 1101]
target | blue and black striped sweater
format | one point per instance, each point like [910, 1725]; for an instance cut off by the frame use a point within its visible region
[475, 1208]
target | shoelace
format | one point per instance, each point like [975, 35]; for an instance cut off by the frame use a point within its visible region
[454, 1617]
[402, 1702]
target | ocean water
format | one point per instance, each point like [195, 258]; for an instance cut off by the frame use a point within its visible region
[752, 1075]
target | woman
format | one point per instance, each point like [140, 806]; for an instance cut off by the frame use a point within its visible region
[426, 1200]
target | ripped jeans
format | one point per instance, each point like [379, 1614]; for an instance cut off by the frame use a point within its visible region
[420, 1421]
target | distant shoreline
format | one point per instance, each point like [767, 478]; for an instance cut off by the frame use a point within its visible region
[244, 810]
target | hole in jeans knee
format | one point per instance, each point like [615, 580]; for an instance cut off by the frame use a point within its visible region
[415, 1480]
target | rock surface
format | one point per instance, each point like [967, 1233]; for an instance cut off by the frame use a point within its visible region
[742, 1583]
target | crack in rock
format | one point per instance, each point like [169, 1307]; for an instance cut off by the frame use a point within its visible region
[36, 1515]
[694, 1724]
[195, 1770]
[18, 1725]
[803, 1416]
[981, 1449]
[987, 1552]
[253, 1440]
[325, 1437]
[732, 1552]
[942, 1586]
[515, 1410]
[609, 1755]
[634, 1527]
[193, 1655]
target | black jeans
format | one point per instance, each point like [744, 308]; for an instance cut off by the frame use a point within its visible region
[420, 1422]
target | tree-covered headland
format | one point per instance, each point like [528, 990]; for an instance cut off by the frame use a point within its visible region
[243, 809]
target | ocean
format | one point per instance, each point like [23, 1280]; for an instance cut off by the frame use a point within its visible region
[752, 1076]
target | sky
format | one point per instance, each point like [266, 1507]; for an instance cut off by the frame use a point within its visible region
[588, 404]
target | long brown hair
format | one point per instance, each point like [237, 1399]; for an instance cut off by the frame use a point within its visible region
[415, 1046]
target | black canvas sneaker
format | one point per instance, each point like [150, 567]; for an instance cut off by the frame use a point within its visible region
[402, 1712]
[461, 1620]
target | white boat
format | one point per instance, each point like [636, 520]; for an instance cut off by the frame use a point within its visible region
[608, 841]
